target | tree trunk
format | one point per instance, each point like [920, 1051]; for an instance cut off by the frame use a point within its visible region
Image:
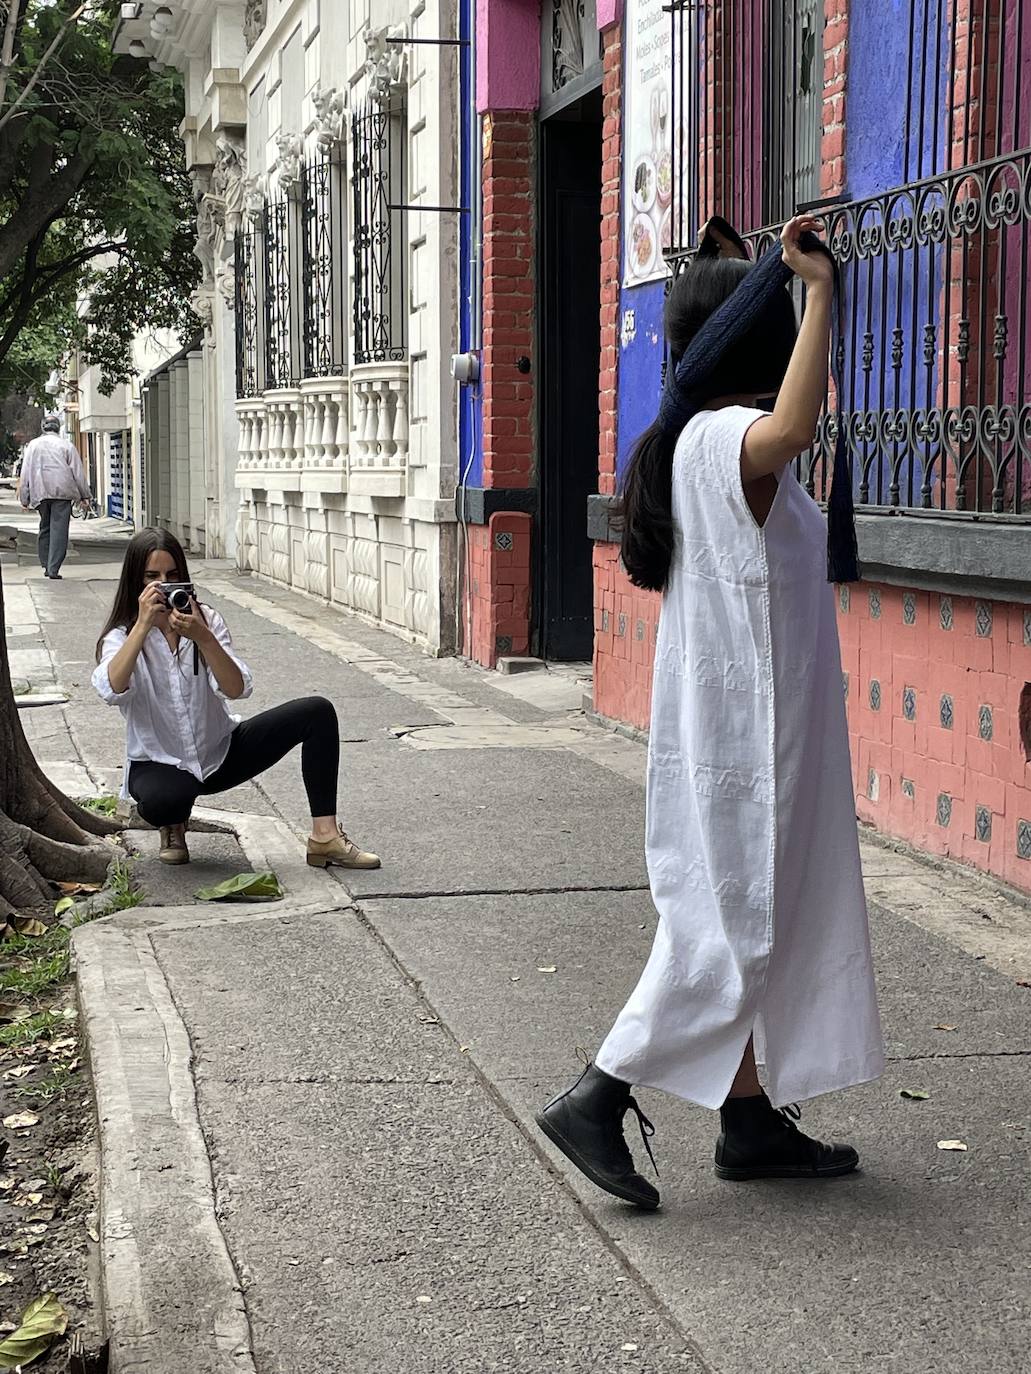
[44, 837]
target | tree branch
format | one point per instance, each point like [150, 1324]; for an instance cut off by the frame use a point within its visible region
[33, 80]
[41, 203]
[7, 54]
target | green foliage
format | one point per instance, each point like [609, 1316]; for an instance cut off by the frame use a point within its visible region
[94, 199]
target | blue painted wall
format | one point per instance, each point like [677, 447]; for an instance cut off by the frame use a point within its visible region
[640, 364]
[470, 398]
[895, 126]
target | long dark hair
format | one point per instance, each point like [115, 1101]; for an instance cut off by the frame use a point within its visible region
[756, 363]
[130, 584]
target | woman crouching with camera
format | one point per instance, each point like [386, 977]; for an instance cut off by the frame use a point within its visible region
[167, 662]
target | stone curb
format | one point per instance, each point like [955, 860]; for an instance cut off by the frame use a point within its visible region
[171, 1298]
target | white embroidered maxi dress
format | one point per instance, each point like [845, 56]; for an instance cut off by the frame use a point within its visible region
[751, 839]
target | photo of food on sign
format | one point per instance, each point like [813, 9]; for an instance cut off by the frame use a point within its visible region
[648, 158]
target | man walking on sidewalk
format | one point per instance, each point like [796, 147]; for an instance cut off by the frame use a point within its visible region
[51, 478]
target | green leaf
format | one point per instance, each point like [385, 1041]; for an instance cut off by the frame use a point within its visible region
[914, 1094]
[244, 887]
[65, 904]
[42, 1320]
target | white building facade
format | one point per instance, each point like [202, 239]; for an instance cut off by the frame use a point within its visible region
[322, 139]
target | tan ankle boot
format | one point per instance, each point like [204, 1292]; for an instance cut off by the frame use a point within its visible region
[341, 851]
[173, 845]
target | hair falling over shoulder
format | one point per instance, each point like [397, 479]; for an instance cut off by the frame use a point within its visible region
[130, 584]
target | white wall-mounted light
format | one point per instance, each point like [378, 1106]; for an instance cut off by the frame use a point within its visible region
[137, 48]
[465, 368]
[162, 21]
[131, 10]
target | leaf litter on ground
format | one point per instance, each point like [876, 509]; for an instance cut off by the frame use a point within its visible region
[245, 887]
[20, 1121]
[914, 1094]
[42, 1320]
[958, 1145]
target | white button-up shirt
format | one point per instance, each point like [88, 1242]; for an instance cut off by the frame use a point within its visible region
[171, 715]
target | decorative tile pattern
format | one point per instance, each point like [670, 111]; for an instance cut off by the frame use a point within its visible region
[503, 644]
[944, 809]
[845, 598]
[1024, 839]
[947, 712]
[1027, 626]
[605, 621]
[639, 630]
[873, 786]
[983, 824]
[909, 703]
[621, 625]
[504, 540]
[985, 723]
[945, 613]
[908, 789]
[908, 608]
[875, 695]
[983, 619]
[844, 684]
[875, 603]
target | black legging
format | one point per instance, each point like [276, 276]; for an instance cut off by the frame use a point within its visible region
[165, 794]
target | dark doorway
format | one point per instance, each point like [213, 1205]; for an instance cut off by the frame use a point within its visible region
[567, 375]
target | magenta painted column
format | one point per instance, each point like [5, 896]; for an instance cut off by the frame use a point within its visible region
[609, 12]
[508, 48]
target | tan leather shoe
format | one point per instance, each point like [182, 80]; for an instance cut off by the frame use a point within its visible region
[341, 851]
[173, 845]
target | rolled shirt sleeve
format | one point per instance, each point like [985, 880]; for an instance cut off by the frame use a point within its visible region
[220, 630]
[113, 641]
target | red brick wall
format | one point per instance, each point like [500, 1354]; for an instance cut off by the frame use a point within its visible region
[498, 615]
[611, 265]
[958, 667]
[835, 74]
[497, 574]
[508, 180]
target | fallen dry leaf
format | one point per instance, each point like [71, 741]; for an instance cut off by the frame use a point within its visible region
[27, 1200]
[547, 968]
[93, 1234]
[5, 1278]
[629, 1345]
[914, 1094]
[951, 1145]
[943, 1026]
[14, 1011]
[20, 1121]
[67, 1042]
[424, 1297]
[6, 1184]
[42, 1320]
[20, 1071]
[28, 925]
[73, 888]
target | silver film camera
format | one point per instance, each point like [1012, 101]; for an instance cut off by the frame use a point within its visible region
[178, 596]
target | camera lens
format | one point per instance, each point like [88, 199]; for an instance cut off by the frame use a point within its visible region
[180, 601]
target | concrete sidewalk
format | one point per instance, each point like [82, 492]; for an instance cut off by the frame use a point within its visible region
[317, 1115]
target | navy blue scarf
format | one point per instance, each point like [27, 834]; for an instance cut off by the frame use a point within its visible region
[684, 393]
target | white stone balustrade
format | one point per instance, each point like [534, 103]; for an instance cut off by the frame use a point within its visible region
[379, 428]
[252, 451]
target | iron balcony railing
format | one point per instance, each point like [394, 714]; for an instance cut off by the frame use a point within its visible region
[937, 401]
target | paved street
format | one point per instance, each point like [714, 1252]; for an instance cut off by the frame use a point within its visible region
[366, 1070]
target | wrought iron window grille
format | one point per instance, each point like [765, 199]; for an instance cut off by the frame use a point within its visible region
[379, 183]
[324, 214]
[935, 271]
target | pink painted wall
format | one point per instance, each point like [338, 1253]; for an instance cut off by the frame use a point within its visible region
[609, 12]
[508, 48]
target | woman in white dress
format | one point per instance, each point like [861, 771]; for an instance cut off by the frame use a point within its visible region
[762, 949]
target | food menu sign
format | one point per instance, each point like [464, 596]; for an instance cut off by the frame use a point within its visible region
[647, 146]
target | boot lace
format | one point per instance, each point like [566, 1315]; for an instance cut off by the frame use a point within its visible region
[790, 1115]
[647, 1131]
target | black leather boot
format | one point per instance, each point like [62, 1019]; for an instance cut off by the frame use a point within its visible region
[586, 1123]
[759, 1141]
